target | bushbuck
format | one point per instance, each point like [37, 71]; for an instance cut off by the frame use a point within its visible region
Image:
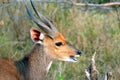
[49, 44]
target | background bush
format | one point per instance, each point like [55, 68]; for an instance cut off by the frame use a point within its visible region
[90, 31]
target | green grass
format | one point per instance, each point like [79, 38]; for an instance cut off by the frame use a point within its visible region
[90, 31]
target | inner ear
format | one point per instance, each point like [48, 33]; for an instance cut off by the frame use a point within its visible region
[35, 35]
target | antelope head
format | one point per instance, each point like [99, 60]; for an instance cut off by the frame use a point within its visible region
[53, 41]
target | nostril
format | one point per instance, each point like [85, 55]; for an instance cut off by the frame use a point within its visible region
[78, 52]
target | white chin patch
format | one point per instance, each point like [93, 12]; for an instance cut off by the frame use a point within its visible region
[69, 59]
[73, 59]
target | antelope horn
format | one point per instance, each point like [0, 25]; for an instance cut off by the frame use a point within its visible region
[43, 19]
[43, 23]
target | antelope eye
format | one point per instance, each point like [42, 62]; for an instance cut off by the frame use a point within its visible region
[58, 44]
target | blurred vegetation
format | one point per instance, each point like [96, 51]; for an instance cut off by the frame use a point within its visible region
[97, 1]
[90, 31]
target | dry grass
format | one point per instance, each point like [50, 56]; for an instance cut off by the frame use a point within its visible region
[90, 31]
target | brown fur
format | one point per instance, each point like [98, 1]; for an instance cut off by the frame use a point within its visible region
[36, 68]
[8, 70]
[59, 52]
[34, 65]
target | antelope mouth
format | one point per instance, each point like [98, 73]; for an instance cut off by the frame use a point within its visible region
[73, 58]
[70, 58]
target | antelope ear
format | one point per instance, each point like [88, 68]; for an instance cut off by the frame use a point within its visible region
[36, 35]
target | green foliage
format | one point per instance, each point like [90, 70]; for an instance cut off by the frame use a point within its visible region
[60, 76]
[90, 31]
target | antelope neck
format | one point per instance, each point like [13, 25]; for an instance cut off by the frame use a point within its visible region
[35, 64]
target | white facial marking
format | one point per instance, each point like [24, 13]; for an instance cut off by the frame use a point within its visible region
[69, 59]
[77, 55]
[41, 36]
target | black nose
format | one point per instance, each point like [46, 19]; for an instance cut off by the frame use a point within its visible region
[78, 52]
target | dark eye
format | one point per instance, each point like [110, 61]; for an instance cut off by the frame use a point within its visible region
[58, 44]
